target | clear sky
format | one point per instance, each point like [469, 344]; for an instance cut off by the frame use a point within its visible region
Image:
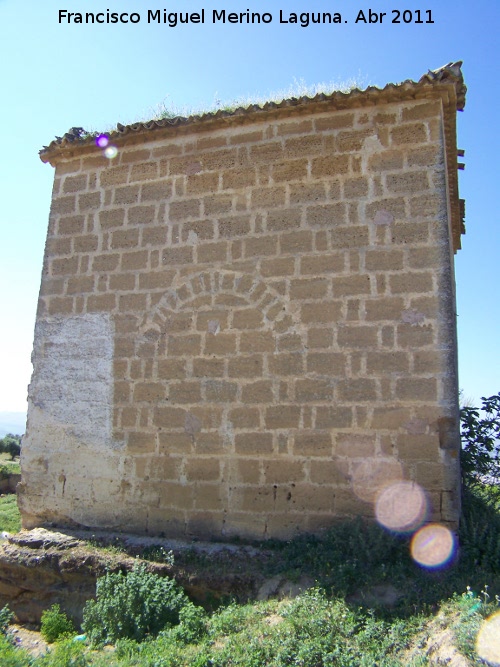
[54, 76]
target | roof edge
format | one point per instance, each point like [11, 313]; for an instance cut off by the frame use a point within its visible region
[76, 139]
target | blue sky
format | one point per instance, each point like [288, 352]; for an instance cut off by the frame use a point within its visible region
[58, 75]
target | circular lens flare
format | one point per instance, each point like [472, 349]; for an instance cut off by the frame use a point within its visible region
[488, 640]
[433, 546]
[373, 475]
[401, 506]
[102, 140]
[110, 152]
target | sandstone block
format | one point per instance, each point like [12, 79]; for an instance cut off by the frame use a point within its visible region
[257, 392]
[334, 122]
[312, 443]
[217, 203]
[416, 389]
[140, 442]
[326, 363]
[411, 282]
[349, 237]
[253, 444]
[245, 367]
[244, 418]
[327, 214]
[60, 305]
[220, 391]
[282, 471]
[353, 336]
[184, 392]
[220, 344]
[414, 133]
[282, 416]
[360, 390]
[351, 285]
[182, 210]
[300, 146]
[386, 161]
[144, 171]
[331, 165]
[277, 267]
[296, 242]
[326, 311]
[319, 389]
[207, 182]
[203, 470]
[241, 177]
[203, 367]
[256, 341]
[414, 181]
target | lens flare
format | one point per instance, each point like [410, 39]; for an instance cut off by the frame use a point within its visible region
[102, 140]
[488, 640]
[433, 546]
[401, 507]
[373, 475]
[110, 152]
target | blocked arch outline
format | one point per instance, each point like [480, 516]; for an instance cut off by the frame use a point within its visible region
[250, 288]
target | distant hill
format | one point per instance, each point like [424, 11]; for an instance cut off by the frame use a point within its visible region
[12, 422]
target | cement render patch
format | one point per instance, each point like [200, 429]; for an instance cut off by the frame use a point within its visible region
[73, 375]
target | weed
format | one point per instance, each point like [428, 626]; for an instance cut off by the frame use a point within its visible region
[11, 656]
[117, 546]
[135, 605]
[158, 554]
[66, 653]
[55, 624]
[6, 618]
[192, 625]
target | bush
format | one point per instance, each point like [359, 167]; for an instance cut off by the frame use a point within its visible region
[192, 624]
[6, 618]
[134, 605]
[11, 445]
[11, 656]
[55, 624]
[480, 433]
[67, 653]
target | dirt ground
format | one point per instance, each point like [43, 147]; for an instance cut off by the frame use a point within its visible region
[30, 640]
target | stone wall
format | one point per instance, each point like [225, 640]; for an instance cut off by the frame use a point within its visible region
[247, 328]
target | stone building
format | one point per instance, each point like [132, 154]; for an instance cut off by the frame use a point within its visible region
[246, 322]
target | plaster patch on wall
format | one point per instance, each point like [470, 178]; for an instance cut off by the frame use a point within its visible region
[412, 316]
[192, 425]
[383, 217]
[416, 426]
[73, 374]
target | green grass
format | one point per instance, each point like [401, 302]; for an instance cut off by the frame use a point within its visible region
[7, 467]
[10, 518]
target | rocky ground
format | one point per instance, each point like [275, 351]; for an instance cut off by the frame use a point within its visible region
[39, 568]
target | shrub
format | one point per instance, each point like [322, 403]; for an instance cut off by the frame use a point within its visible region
[55, 624]
[6, 618]
[192, 624]
[11, 444]
[11, 656]
[67, 653]
[134, 605]
[480, 433]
